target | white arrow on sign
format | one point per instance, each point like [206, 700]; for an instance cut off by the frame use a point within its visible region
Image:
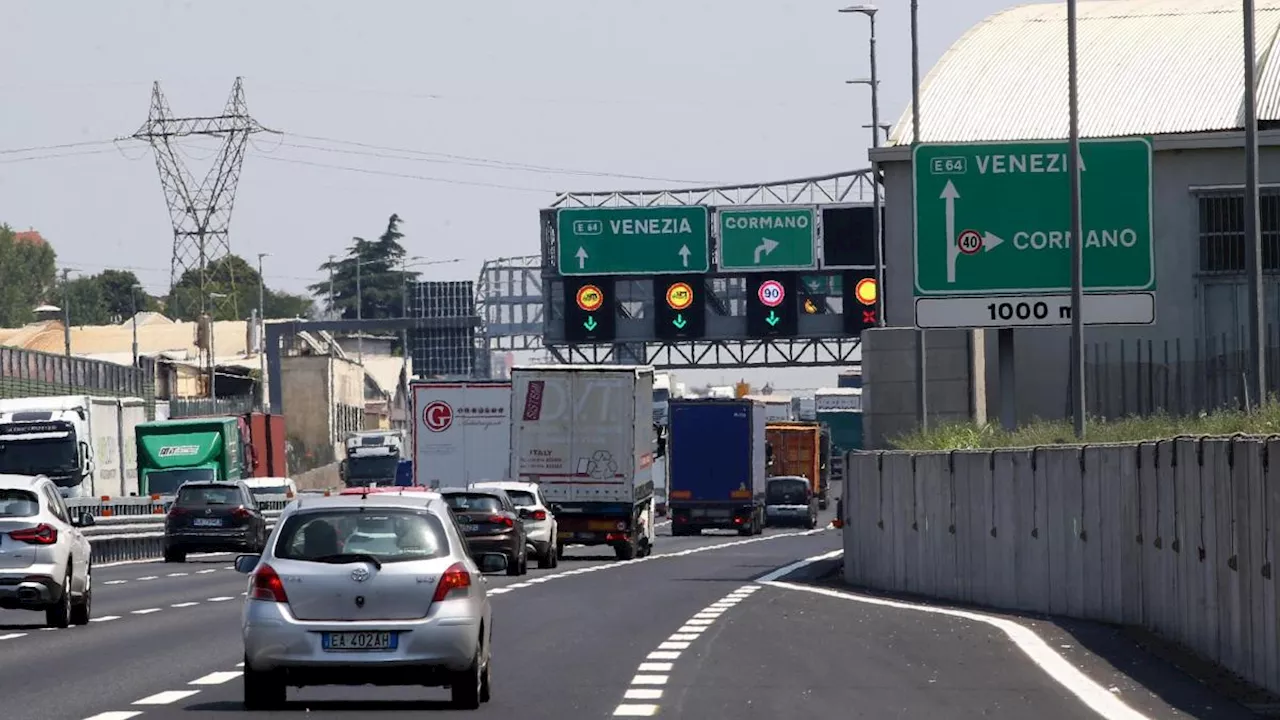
[582, 257]
[990, 241]
[684, 254]
[950, 195]
[766, 247]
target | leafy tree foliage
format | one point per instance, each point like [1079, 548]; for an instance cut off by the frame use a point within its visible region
[106, 298]
[237, 280]
[26, 278]
[381, 279]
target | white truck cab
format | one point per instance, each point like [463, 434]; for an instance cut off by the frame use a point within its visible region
[373, 457]
[84, 444]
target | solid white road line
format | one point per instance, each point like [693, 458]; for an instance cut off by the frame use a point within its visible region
[1058, 668]
[652, 674]
[11, 636]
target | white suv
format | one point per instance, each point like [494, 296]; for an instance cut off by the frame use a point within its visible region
[539, 522]
[44, 558]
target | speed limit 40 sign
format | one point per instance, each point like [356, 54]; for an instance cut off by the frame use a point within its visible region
[771, 293]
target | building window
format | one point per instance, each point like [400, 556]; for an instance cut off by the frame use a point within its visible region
[1222, 248]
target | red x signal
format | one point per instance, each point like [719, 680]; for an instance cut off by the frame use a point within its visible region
[869, 317]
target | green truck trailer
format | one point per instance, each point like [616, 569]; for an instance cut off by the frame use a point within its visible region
[172, 452]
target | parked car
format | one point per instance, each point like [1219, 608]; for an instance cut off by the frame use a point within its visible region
[45, 561]
[535, 513]
[213, 516]
[790, 500]
[352, 590]
[491, 523]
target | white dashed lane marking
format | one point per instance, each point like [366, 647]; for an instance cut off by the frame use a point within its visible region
[217, 678]
[146, 611]
[656, 670]
[168, 697]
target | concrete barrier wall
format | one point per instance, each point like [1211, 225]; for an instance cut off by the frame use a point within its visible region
[325, 477]
[1176, 536]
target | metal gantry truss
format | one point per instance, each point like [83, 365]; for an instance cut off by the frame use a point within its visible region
[850, 187]
[510, 303]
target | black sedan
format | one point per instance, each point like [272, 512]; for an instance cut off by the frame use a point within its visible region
[491, 524]
[213, 517]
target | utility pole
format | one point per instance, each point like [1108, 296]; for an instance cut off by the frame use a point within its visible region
[359, 307]
[922, 355]
[262, 334]
[1077, 230]
[66, 311]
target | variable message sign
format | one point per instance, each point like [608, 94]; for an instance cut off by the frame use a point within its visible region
[767, 238]
[994, 220]
[589, 314]
[657, 240]
[771, 305]
[860, 293]
[848, 236]
[679, 307]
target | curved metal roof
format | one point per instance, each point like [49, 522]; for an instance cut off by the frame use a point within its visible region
[1147, 67]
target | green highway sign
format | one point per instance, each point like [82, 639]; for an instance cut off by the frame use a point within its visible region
[767, 238]
[995, 218]
[634, 240]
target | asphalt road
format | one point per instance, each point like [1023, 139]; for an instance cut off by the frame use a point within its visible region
[686, 633]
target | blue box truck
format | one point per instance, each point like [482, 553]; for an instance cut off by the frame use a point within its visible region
[716, 455]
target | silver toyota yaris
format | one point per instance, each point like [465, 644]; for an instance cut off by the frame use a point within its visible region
[375, 589]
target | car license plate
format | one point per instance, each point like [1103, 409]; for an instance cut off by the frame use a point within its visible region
[207, 522]
[470, 528]
[376, 641]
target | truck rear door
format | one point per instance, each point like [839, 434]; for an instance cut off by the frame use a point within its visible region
[710, 453]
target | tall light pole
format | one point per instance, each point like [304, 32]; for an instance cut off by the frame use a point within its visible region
[333, 314]
[359, 307]
[262, 334]
[922, 374]
[213, 355]
[133, 304]
[1077, 223]
[1252, 234]
[66, 310]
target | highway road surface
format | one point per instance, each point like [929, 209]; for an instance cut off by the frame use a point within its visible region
[717, 626]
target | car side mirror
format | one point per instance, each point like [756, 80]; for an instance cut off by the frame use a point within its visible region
[492, 562]
[246, 563]
[85, 520]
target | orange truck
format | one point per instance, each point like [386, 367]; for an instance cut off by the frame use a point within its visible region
[795, 448]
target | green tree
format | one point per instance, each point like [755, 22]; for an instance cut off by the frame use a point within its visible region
[27, 274]
[85, 303]
[106, 298]
[381, 279]
[236, 279]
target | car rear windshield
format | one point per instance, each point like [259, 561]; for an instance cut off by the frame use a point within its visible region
[787, 491]
[339, 535]
[473, 502]
[18, 503]
[209, 495]
[521, 498]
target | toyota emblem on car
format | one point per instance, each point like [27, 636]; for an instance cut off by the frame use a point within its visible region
[360, 574]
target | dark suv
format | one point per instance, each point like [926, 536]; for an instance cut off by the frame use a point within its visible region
[491, 524]
[213, 517]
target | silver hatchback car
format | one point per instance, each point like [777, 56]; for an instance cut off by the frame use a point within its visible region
[374, 589]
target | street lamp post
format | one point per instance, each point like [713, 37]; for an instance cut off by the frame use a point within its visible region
[213, 356]
[1252, 236]
[133, 304]
[359, 308]
[262, 334]
[66, 311]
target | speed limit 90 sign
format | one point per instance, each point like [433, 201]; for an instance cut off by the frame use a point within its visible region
[771, 293]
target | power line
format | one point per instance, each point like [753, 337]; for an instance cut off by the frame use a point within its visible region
[446, 158]
[406, 176]
[54, 156]
[62, 146]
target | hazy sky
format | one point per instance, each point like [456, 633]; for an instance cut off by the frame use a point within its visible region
[695, 90]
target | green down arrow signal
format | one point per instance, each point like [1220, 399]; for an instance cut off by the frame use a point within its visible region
[680, 322]
[591, 323]
[773, 318]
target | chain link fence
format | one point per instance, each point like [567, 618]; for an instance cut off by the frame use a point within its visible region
[29, 373]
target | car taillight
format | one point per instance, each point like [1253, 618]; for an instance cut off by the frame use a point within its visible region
[539, 514]
[266, 585]
[241, 512]
[42, 534]
[455, 578]
[175, 511]
[502, 520]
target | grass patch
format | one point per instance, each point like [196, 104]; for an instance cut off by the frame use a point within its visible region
[970, 436]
